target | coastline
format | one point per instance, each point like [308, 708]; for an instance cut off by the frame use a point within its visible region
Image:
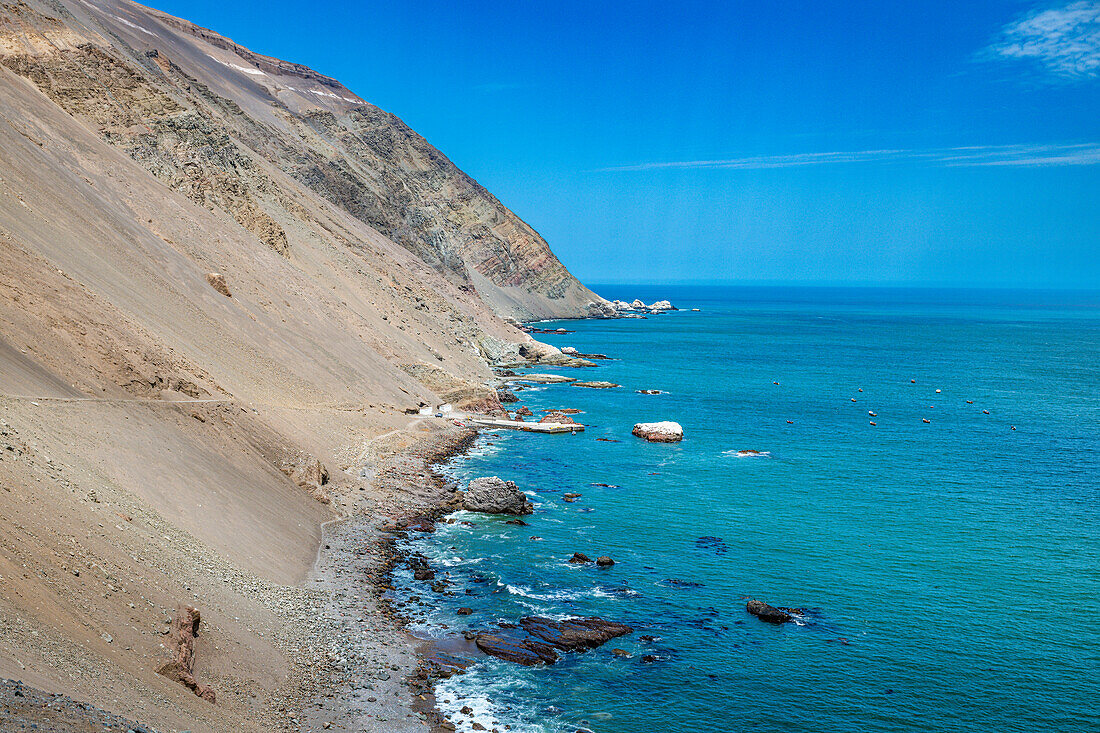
[381, 678]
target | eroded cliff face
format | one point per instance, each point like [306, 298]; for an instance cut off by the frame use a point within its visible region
[206, 116]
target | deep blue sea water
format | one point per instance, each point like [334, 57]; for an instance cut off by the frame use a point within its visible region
[950, 569]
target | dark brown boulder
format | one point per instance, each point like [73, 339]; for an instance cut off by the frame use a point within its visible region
[419, 565]
[604, 561]
[579, 558]
[536, 638]
[574, 634]
[764, 612]
[518, 649]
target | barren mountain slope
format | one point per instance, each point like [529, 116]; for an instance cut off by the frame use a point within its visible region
[201, 334]
[194, 91]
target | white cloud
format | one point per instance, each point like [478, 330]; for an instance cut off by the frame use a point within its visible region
[1066, 40]
[1032, 156]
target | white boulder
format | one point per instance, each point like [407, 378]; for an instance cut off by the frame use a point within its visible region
[659, 432]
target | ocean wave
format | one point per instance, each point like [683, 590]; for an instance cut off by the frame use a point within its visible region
[556, 595]
[482, 693]
[599, 592]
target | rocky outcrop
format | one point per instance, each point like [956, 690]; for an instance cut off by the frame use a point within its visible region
[764, 612]
[659, 432]
[493, 495]
[621, 307]
[217, 281]
[559, 418]
[185, 627]
[310, 474]
[516, 648]
[537, 640]
[574, 634]
[601, 309]
[597, 385]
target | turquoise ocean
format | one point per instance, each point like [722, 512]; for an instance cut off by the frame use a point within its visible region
[949, 570]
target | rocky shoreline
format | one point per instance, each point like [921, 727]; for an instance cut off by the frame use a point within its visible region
[379, 683]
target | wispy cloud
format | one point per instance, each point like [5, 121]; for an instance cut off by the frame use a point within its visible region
[978, 155]
[1064, 40]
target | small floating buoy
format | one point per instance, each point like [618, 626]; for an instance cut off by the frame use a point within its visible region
[938, 391]
[912, 381]
[926, 420]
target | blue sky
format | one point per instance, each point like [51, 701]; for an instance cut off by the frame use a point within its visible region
[935, 143]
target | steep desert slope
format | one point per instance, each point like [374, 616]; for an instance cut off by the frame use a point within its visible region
[184, 90]
[222, 278]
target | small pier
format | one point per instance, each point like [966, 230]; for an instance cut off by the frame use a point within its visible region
[530, 427]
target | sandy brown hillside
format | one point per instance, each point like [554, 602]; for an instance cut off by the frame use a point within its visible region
[222, 278]
[211, 119]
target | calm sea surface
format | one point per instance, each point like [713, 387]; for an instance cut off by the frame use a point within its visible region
[950, 570]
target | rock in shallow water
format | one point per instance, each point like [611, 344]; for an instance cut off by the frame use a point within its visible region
[493, 495]
[764, 612]
[659, 432]
[538, 638]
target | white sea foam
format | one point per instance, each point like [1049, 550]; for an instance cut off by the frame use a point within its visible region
[477, 690]
[556, 595]
[598, 592]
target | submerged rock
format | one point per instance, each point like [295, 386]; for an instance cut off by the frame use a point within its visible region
[493, 495]
[764, 612]
[659, 432]
[597, 385]
[604, 561]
